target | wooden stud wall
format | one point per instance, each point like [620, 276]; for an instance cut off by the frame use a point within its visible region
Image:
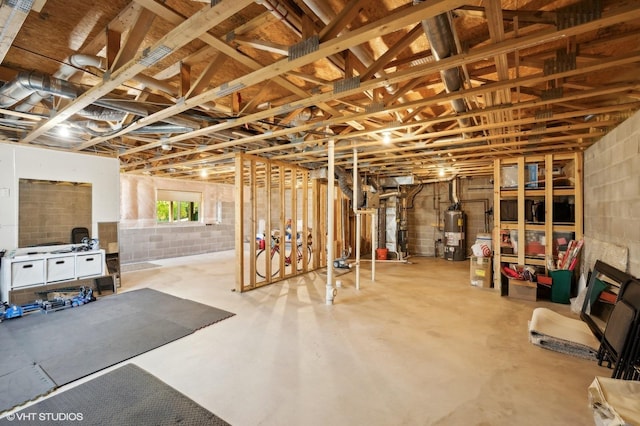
[271, 195]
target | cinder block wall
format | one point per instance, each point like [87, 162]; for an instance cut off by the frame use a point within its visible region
[426, 218]
[612, 190]
[50, 210]
[143, 244]
[141, 238]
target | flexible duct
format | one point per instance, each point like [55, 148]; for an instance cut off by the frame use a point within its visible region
[27, 83]
[344, 184]
[161, 128]
[302, 117]
[440, 37]
[79, 62]
[75, 62]
[97, 128]
[101, 114]
[38, 85]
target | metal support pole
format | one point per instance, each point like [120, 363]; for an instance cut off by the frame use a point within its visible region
[358, 225]
[331, 291]
[374, 243]
[358, 217]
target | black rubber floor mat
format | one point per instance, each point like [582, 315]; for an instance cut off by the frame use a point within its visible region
[76, 342]
[127, 395]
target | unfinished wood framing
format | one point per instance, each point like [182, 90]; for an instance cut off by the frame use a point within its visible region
[195, 82]
[275, 234]
[557, 179]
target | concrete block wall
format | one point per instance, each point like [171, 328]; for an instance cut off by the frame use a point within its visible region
[145, 244]
[141, 238]
[423, 220]
[48, 211]
[612, 190]
[426, 218]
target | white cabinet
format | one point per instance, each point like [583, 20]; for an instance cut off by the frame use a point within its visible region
[32, 270]
[61, 268]
[28, 272]
[89, 264]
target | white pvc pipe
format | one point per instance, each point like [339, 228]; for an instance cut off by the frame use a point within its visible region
[358, 218]
[374, 243]
[355, 181]
[358, 225]
[330, 294]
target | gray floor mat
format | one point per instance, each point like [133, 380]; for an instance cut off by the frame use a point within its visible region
[128, 395]
[108, 345]
[24, 384]
[76, 342]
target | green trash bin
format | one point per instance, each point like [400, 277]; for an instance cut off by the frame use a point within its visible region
[561, 285]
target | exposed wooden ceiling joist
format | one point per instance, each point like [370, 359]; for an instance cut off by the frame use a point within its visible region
[270, 79]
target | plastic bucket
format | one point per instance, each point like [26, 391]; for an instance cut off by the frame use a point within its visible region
[381, 253]
[483, 239]
[561, 285]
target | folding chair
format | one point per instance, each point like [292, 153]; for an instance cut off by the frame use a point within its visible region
[630, 293]
[615, 339]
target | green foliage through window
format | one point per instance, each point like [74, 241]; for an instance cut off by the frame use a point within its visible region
[177, 211]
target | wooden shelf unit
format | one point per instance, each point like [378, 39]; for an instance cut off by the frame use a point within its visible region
[557, 176]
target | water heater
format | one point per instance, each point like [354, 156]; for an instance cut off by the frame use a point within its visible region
[454, 230]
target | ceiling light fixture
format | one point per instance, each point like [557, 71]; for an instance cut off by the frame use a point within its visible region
[441, 172]
[204, 173]
[386, 137]
[63, 130]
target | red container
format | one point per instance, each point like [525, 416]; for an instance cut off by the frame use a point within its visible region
[382, 253]
[544, 280]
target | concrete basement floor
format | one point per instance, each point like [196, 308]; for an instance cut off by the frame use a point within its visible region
[419, 346]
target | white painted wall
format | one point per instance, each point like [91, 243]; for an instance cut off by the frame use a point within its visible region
[27, 162]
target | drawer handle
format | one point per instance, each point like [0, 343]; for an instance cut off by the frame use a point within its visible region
[89, 259]
[59, 262]
[27, 266]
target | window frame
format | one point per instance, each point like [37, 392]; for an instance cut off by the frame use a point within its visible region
[179, 202]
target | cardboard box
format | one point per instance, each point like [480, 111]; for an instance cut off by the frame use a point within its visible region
[481, 272]
[525, 290]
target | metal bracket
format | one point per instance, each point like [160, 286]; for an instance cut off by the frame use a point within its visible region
[309, 45]
[346, 84]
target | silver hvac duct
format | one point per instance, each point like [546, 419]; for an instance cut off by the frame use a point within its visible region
[75, 63]
[27, 83]
[440, 36]
[79, 62]
[344, 184]
[161, 128]
[38, 85]
[121, 106]
[453, 191]
[101, 114]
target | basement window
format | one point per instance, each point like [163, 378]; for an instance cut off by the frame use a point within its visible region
[178, 206]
